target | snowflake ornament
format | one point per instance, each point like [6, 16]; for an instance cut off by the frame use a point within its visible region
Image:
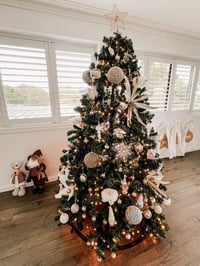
[123, 151]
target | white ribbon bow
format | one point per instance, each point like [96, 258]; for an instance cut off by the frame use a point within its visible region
[133, 102]
[154, 179]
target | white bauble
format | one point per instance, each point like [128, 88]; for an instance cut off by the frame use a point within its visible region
[74, 208]
[64, 218]
[119, 201]
[147, 214]
[134, 194]
[83, 208]
[113, 255]
[115, 75]
[107, 147]
[157, 209]
[84, 215]
[105, 221]
[153, 200]
[133, 215]
[99, 259]
[83, 178]
[94, 218]
[128, 236]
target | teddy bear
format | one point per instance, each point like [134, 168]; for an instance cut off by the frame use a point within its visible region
[18, 179]
[64, 189]
[37, 171]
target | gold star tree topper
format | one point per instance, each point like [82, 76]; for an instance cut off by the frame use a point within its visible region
[116, 19]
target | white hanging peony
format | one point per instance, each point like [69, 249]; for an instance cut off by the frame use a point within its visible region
[110, 195]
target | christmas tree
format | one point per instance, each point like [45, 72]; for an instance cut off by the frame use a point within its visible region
[113, 188]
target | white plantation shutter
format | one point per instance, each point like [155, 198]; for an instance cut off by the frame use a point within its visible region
[41, 81]
[182, 87]
[70, 67]
[196, 104]
[24, 81]
[158, 83]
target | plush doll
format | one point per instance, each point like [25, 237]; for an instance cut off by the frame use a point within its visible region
[37, 171]
[18, 179]
[64, 189]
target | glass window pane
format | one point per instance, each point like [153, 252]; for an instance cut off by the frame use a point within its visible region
[70, 67]
[24, 82]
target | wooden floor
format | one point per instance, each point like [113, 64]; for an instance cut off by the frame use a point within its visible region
[29, 236]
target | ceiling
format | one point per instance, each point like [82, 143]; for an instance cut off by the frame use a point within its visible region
[175, 15]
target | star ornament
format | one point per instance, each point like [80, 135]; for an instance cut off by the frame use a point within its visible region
[116, 19]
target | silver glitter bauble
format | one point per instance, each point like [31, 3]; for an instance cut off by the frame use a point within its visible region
[115, 75]
[133, 215]
[86, 77]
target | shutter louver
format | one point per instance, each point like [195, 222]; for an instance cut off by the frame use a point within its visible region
[70, 67]
[158, 84]
[24, 82]
[182, 87]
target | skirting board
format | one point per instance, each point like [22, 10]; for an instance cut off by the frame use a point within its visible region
[10, 187]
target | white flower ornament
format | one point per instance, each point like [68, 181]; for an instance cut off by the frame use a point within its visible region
[110, 195]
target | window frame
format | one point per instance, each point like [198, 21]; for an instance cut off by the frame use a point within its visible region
[74, 45]
[50, 47]
[148, 57]
[21, 42]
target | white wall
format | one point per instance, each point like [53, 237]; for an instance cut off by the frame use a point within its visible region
[16, 146]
